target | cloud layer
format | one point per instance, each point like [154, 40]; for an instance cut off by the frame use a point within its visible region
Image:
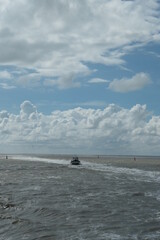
[113, 130]
[56, 39]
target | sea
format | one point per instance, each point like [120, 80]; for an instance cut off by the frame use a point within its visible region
[49, 199]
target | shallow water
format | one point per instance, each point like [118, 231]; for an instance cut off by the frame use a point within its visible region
[50, 199]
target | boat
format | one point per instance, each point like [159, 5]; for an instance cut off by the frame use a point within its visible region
[75, 161]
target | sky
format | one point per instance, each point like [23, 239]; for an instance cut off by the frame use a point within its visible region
[80, 77]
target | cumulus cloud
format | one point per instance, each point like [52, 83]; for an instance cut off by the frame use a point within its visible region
[137, 82]
[112, 130]
[27, 108]
[58, 38]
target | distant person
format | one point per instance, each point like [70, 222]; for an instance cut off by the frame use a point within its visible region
[134, 158]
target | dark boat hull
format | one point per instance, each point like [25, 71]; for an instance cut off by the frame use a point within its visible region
[75, 162]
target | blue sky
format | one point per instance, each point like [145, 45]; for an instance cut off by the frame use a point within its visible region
[80, 76]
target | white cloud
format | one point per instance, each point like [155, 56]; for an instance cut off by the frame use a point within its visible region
[5, 75]
[6, 86]
[6, 80]
[28, 80]
[27, 108]
[113, 130]
[4, 114]
[98, 80]
[137, 82]
[64, 82]
[58, 37]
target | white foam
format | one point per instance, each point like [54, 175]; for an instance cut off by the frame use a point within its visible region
[39, 159]
[113, 236]
[135, 174]
[156, 195]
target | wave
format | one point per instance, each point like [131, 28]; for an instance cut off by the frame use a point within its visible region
[132, 173]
